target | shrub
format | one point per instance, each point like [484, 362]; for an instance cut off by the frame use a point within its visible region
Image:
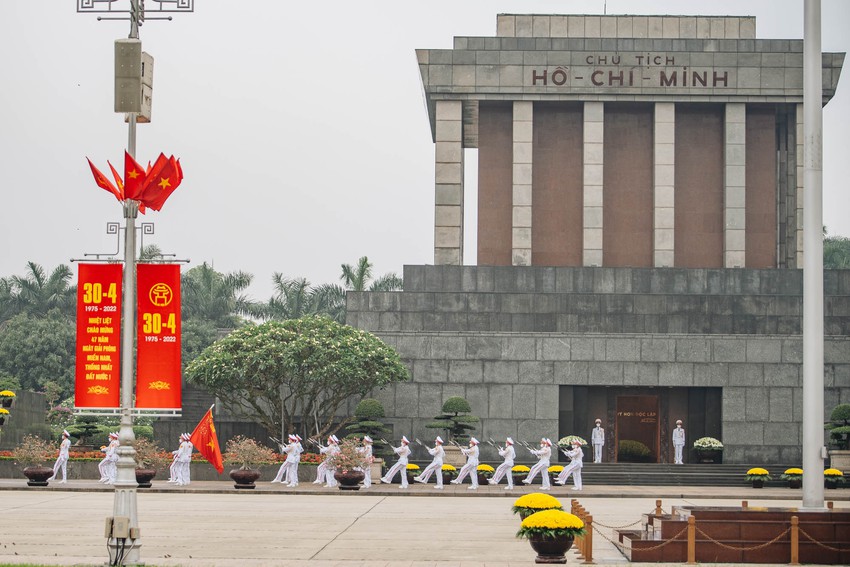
[33, 450]
[839, 427]
[247, 453]
[634, 452]
[454, 419]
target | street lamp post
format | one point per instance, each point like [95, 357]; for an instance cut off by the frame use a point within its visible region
[125, 544]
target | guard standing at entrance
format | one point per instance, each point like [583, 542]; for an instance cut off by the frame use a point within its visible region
[678, 442]
[597, 439]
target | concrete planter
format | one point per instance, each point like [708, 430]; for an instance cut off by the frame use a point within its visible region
[840, 459]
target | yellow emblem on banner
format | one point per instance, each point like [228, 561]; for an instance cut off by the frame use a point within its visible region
[98, 390]
[159, 385]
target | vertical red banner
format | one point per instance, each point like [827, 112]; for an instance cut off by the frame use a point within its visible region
[97, 382]
[158, 351]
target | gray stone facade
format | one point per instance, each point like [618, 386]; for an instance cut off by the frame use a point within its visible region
[510, 339]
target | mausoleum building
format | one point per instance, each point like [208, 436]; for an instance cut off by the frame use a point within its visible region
[639, 234]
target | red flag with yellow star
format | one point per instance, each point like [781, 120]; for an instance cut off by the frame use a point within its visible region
[161, 181]
[206, 441]
[134, 177]
[103, 182]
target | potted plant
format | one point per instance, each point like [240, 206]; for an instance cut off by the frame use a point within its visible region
[839, 437]
[412, 470]
[149, 458]
[534, 502]
[348, 465]
[518, 472]
[551, 534]
[832, 478]
[248, 454]
[449, 473]
[4, 413]
[794, 476]
[709, 450]
[758, 476]
[456, 422]
[554, 471]
[31, 453]
[6, 398]
[485, 473]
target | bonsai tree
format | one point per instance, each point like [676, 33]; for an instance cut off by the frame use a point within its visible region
[149, 455]
[349, 457]
[367, 415]
[455, 419]
[839, 427]
[84, 428]
[33, 451]
[247, 453]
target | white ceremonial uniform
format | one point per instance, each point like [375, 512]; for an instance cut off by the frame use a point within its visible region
[576, 456]
[470, 468]
[184, 463]
[62, 460]
[436, 465]
[172, 470]
[597, 439]
[322, 469]
[403, 451]
[112, 461]
[678, 444]
[366, 451]
[284, 449]
[504, 469]
[541, 466]
[103, 465]
[293, 458]
[330, 481]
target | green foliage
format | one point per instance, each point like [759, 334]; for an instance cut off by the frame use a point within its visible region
[9, 382]
[299, 371]
[216, 298]
[33, 450]
[37, 351]
[143, 432]
[454, 419]
[38, 293]
[839, 426]
[149, 454]
[836, 252]
[633, 452]
[367, 415]
[195, 336]
[40, 430]
[369, 409]
[84, 428]
[247, 453]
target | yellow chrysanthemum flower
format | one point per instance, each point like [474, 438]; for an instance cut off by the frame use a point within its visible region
[794, 470]
[757, 471]
[7, 394]
[555, 468]
[832, 472]
[412, 467]
[4, 411]
[449, 468]
[485, 468]
[520, 469]
[553, 520]
[538, 501]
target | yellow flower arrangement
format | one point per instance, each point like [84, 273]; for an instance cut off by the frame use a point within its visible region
[449, 468]
[520, 469]
[832, 472]
[7, 394]
[4, 411]
[793, 473]
[554, 469]
[485, 468]
[757, 473]
[551, 524]
[535, 502]
[412, 467]
[833, 475]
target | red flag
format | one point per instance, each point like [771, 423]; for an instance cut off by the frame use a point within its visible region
[206, 441]
[161, 181]
[118, 181]
[103, 182]
[134, 177]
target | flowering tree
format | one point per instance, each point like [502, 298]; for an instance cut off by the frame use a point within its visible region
[295, 374]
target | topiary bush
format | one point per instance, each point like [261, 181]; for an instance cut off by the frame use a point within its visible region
[839, 427]
[367, 415]
[455, 420]
[631, 451]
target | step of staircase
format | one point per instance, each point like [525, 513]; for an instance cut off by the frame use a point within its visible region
[635, 474]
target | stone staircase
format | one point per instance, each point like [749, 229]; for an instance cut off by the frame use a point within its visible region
[633, 474]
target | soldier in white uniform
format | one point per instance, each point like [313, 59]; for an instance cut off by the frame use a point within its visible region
[108, 466]
[293, 457]
[172, 470]
[678, 442]
[284, 449]
[322, 469]
[576, 456]
[542, 465]
[504, 469]
[366, 451]
[436, 464]
[333, 450]
[471, 466]
[597, 439]
[403, 451]
[62, 461]
[184, 461]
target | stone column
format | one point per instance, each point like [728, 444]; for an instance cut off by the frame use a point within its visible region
[448, 180]
[523, 130]
[594, 114]
[734, 186]
[663, 192]
[800, 190]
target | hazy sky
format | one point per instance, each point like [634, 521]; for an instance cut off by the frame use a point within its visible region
[300, 126]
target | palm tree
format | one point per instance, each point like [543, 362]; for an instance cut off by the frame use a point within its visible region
[357, 278]
[215, 297]
[292, 298]
[36, 293]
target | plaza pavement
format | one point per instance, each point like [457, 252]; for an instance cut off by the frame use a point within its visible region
[210, 524]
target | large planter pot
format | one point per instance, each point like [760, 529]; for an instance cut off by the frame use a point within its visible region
[840, 459]
[758, 484]
[709, 456]
[349, 480]
[454, 456]
[37, 475]
[829, 483]
[550, 550]
[6, 402]
[244, 478]
[483, 479]
[144, 477]
[447, 478]
[795, 483]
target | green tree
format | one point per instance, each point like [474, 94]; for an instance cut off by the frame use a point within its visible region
[455, 419]
[36, 293]
[354, 278]
[295, 374]
[836, 252]
[293, 298]
[367, 416]
[37, 351]
[215, 297]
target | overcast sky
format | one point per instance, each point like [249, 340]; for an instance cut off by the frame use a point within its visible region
[300, 126]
